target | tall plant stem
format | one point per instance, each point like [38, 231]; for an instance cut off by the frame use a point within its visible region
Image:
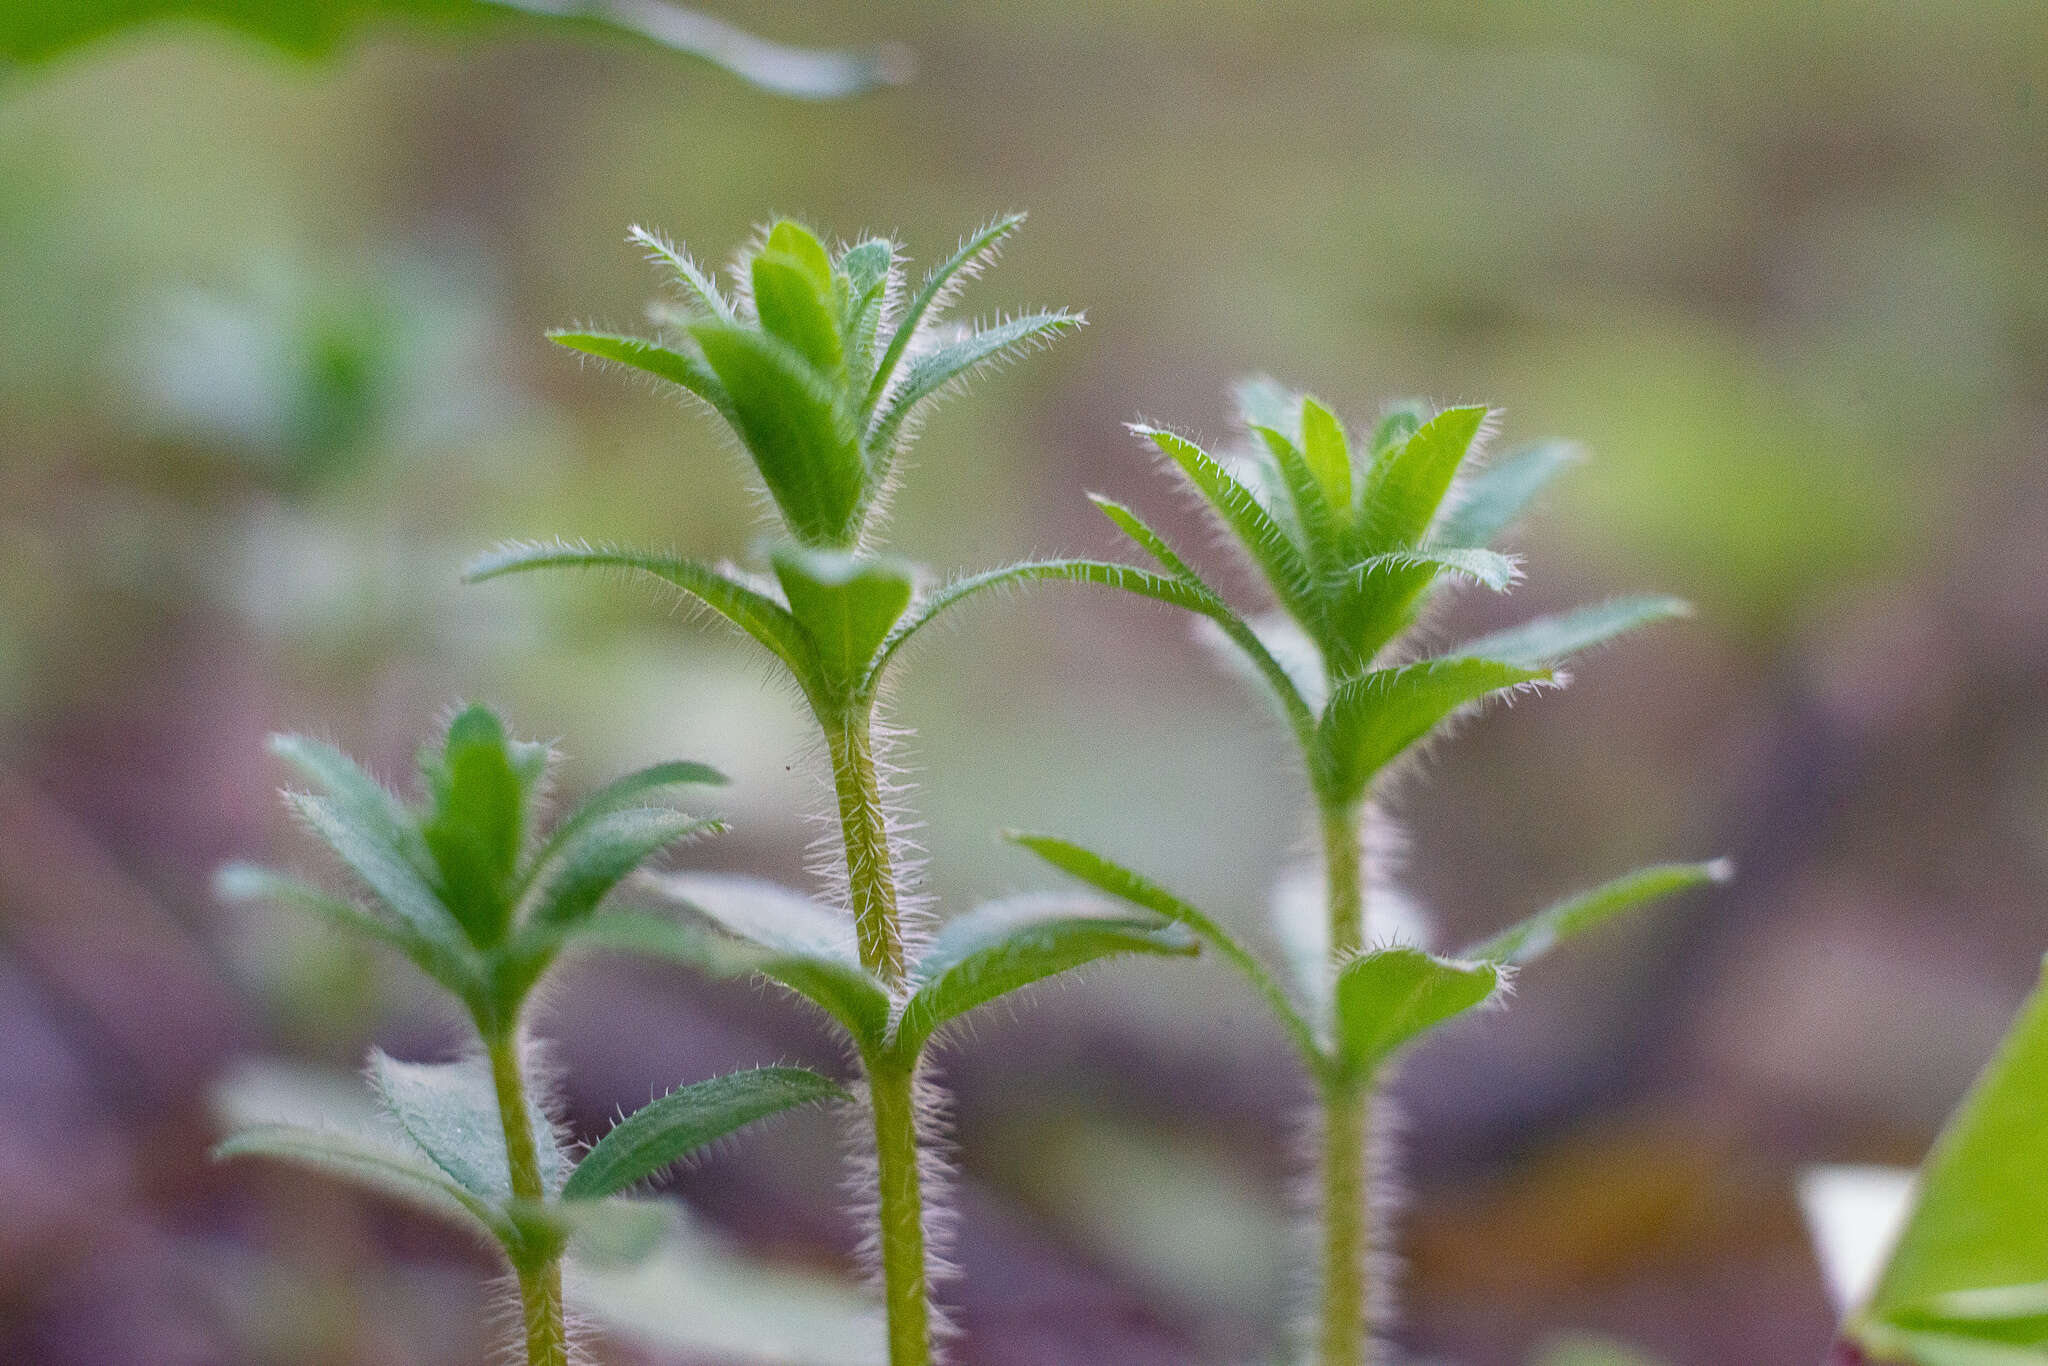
[1344, 1332]
[540, 1279]
[872, 890]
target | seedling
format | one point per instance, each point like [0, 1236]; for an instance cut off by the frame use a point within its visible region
[1354, 539]
[822, 366]
[464, 887]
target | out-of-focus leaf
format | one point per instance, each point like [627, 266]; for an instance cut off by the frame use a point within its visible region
[44, 28]
[450, 1110]
[847, 602]
[1548, 641]
[476, 822]
[603, 851]
[1583, 911]
[1389, 997]
[789, 417]
[1491, 501]
[382, 1168]
[1966, 1281]
[1586, 1351]
[1001, 946]
[687, 1118]
[1372, 719]
[1488, 567]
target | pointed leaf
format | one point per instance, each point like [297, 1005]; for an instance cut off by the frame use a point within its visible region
[686, 1119]
[357, 797]
[1154, 544]
[847, 602]
[451, 1111]
[1549, 641]
[1371, 719]
[1389, 997]
[1328, 453]
[788, 416]
[476, 823]
[1262, 538]
[705, 295]
[1487, 567]
[1400, 421]
[790, 939]
[1316, 520]
[1119, 881]
[795, 303]
[1002, 946]
[655, 359]
[629, 791]
[1576, 914]
[1408, 482]
[1263, 402]
[582, 871]
[1977, 1225]
[866, 264]
[962, 265]
[378, 1167]
[388, 873]
[1491, 501]
[933, 371]
[247, 882]
[759, 615]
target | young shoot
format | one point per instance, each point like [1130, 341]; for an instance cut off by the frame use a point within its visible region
[466, 887]
[822, 365]
[1354, 537]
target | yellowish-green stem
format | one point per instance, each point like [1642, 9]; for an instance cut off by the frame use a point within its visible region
[870, 865]
[540, 1280]
[1344, 1328]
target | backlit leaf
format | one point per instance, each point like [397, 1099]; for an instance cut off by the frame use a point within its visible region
[1387, 998]
[686, 1119]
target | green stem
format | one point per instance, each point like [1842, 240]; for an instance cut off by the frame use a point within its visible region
[1345, 1330]
[871, 888]
[1347, 1241]
[540, 1279]
[905, 1291]
[870, 866]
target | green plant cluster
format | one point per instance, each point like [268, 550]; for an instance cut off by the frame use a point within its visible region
[821, 365]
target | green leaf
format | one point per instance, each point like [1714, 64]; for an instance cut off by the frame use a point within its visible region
[789, 418]
[704, 294]
[1264, 402]
[1977, 1225]
[1154, 544]
[790, 939]
[450, 1110]
[1407, 482]
[1241, 513]
[1389, 997]
[247, 882]
[793, 295]
[1328, 452]
[629, 790]
[1322, 531]
[476, 822]
[388, 873]
[1101, 573]
[1489, 568]
[686, 1119]
[677, 368]
[47, 28]
[1401, 420]
[361, 800]
[973, 253]
[374, 1166]
[1491, 501]
[847, 602]
[759, 615]
[936, 369]
[1002, 946]
[1124, 884]
[1549, 641]
[1576, 914]
[1371, 719]
[584, 869]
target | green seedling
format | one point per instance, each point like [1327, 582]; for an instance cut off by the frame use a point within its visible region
[1354, 538]
[822, 366]
[465, 887]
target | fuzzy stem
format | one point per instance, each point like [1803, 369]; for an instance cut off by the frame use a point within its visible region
[905, 1290]
[1344, 1331]
[540, 1280]
[1344, 1334]
[870, 866]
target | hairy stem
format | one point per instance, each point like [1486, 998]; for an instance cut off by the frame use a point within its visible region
[540, 1281]
[1344, 1333]
[870, 866]
[905, 1290]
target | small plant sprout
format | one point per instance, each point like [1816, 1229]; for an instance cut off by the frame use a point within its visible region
[822, 366]
[1354, 539]
[465, 887]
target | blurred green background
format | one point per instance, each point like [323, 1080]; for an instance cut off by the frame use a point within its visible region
[271, 370]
